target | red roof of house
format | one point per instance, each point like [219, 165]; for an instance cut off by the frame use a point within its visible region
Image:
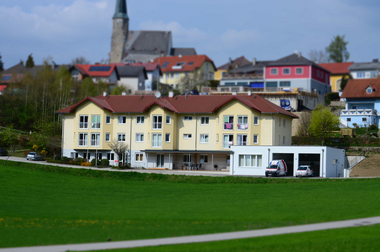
[241, 61]
[179, 104]
[196, 61]
[337, 68]
[356, 88]
[2, 87]
[94, 70]
[148, 66]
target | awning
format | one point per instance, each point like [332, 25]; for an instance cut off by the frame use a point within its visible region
[257, 84]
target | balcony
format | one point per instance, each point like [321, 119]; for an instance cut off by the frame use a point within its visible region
[242, 76]
[242, 126]
[228, 126]
[82, 143]
[95, 125]
[358, 112]
[95, 143]
[83, 125]
[227, 144]
[157, 125]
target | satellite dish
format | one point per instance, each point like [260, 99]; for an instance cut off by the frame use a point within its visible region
[157, 94]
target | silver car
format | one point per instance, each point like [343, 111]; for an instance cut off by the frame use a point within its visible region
[35, 156]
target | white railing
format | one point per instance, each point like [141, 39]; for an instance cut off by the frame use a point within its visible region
[363, 112]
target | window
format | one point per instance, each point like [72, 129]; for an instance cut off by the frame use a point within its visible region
[228, 140]
[317, 73]
[348, 119]
[83, 122]
[111, 156]
[364, 119]
[167, 137]
[203, 159]
[286, 71]
[75, 75]
[108, 137]
[299, 70]
[108, 120]
[250, 160]
[186, 158]
[140, 119]
[205, 120]
[354, 107]
[82, 139]
[177, 75]
[284, 83]
[139, 157]
[165, 64]
[283, 140]
[121, 137]
[167, 76]
[188, 118]
[157, 122]
[369, 90]
[168, 119]
[122, 119]
[217, 138]
[321, 74]
[156, 140]
[204, 138]
[255, 139]
[190, 63]
[228, 123]
[172, 76]
[283, 122]
[256, 120]
[242, 140]
[242, 123]
[187, 136]
[95, 122]
[274, 71]
[139, 137]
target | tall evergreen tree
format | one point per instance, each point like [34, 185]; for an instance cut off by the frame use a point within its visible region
[337, 50]
[1, 64]
[30, 62]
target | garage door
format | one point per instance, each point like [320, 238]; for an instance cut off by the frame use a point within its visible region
[314, 160]
[289, 160]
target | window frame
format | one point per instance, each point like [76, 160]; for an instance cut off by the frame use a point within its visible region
[168, 117]
[204, 138]
[257, 139]
[139, 137]
[299, 68]
[155, 125]
[96, 141]
[121, 137]
[123, 121]
[258, 164]
[84, 139]
[188, 118]
[255, 120]
[286, 68]
[206, 118]
[153, 142]
[349, 119]
[140, 120]
[97, 124]
[108, 119]
[141, 157]
[109, 137]
[229, 121]
[187, 136]
[242, 118]
[274, 71]
[166, 137]
[85, 123]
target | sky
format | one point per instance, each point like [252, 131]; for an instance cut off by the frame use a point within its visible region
[267, 30]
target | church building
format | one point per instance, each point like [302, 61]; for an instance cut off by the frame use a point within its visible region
[140, 46]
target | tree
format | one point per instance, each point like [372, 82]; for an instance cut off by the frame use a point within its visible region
[193, 81]
[344, 81]
[10, 138]
[1, 64]
[303, 124]
[30, 62]
[337, 50]
[118, 90]
[322, 122]
[80, 61]
[318, 56]
[120, 149]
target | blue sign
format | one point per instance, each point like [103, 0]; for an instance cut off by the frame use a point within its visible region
[285, 104]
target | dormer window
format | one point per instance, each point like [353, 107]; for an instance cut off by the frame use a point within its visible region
[369, 90]
[179, 65]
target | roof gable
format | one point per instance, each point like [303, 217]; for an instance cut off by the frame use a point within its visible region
[182, 64]
[96, 70]
[356, 88]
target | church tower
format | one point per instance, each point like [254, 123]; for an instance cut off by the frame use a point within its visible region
[119, 32]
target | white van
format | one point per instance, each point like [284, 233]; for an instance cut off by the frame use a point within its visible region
[276, 168]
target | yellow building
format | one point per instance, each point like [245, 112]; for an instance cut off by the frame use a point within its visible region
[337, 70]
[175, 68]
[172, 132]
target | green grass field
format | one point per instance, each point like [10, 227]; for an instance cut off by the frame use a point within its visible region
[347, 239]
[44, 205]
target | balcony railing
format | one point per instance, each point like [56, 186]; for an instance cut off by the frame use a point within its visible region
[157, 125]
[83, 125]
[358, 112]
[228, 126]
[227, 144]
[95, 143]
[82, 143]
[95, 125]
[242, 76]
[241, 143]
[242, 126]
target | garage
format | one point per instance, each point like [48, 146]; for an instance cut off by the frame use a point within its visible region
[289, 160]
[314, 160]
[327, 162]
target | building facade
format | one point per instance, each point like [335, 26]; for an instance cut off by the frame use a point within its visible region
[337, 72]
[172, 132]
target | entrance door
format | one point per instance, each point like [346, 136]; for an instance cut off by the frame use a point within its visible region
[160, 160]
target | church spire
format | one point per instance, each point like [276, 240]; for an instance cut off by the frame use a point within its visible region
[121, 9]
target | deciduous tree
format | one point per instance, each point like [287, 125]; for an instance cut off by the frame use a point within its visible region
[318, 56]
[120, 149]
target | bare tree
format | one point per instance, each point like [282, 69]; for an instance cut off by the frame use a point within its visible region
[193, 81]
[80, 61]
[304, 123]
[318, 56]
[120, 149]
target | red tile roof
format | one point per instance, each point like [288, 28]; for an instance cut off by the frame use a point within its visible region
[337, 68]
[241, 61]
[148, 66]
[197, 60]
[356, 88]
[85, 69]
[179, 104]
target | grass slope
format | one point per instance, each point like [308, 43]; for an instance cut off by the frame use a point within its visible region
[43, 205]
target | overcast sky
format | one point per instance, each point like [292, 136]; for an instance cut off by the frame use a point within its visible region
[266, 30]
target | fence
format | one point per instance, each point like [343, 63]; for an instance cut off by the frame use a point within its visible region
[341, 142]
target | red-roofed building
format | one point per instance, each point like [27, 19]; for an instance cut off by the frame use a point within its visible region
[153, 70]
[173, 132]
[97, 72]
[175, 68]
[2, 88]
[337, 70]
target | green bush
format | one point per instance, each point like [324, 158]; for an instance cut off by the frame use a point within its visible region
[65, 159]
[332, 97]
[78, 161]
[374, 127]
[105, 162]
[58, 158]
[93, 162]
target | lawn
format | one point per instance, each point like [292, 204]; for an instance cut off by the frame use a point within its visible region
[347, 239]
[44, 205]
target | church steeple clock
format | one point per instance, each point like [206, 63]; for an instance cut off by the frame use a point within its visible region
[119, 32]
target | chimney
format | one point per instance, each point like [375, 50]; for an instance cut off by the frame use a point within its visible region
[375, 60]
[124, 93]
[105, 94]
[249, 93]
[254, 61]
[230, 60]
[299, 55]
[171, 94]
[180, 56]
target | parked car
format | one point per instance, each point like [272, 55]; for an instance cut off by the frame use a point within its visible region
[3, 152]
[35, 156]
[276, 168]
[304, 171]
